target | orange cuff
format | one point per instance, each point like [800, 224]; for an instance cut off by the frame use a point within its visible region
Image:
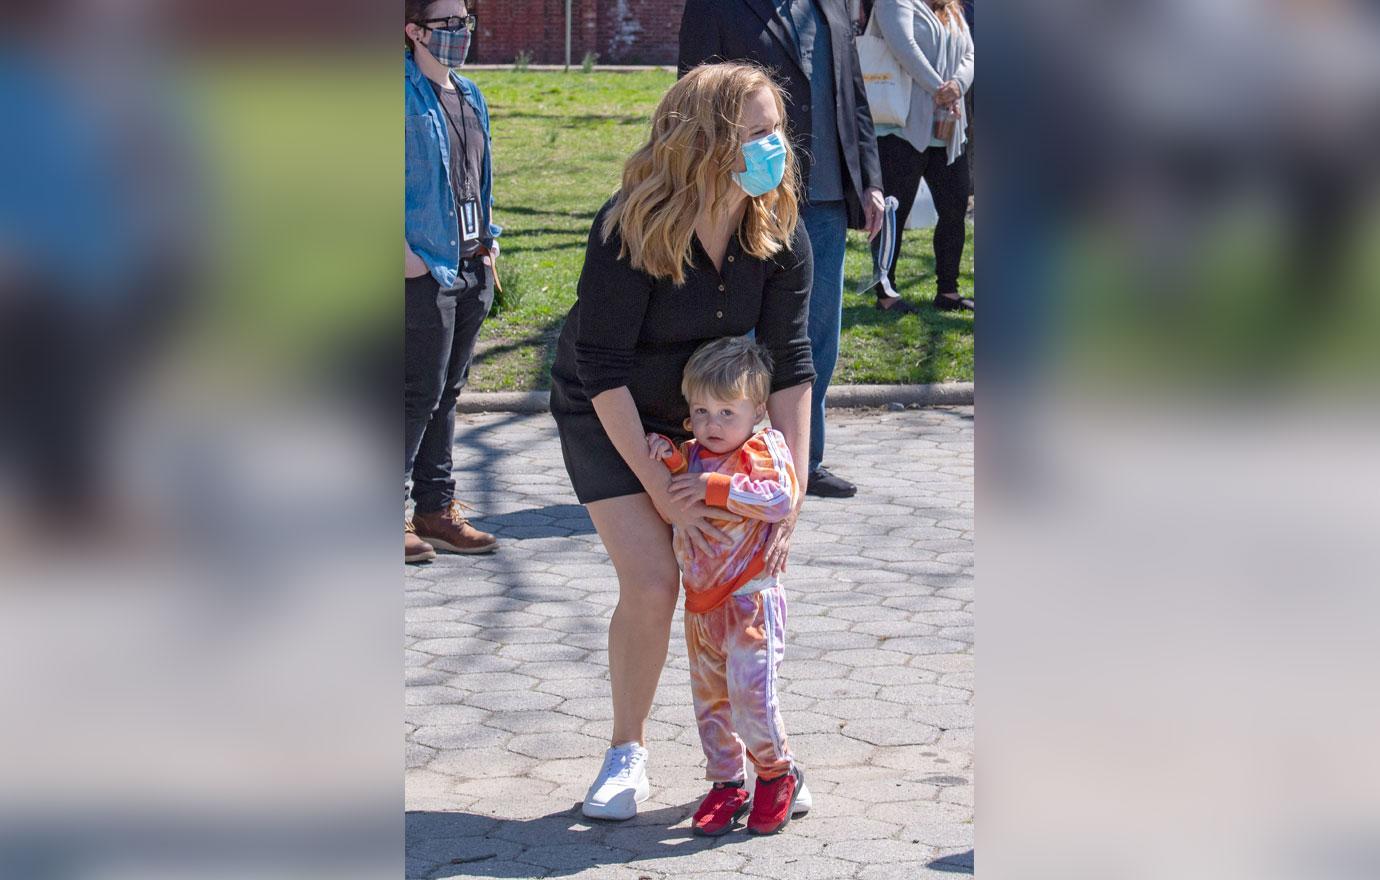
[676, 463]
[716, 491]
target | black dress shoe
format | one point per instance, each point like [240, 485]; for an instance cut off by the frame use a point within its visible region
[827, 485]
[952, 302]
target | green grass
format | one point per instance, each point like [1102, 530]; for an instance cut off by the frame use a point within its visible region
[559, 145]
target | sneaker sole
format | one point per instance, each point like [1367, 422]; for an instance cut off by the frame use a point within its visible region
[420, 557]
[451, 548]
[638, 797]
[819, 494]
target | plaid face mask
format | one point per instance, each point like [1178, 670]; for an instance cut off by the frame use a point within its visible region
[450, 47]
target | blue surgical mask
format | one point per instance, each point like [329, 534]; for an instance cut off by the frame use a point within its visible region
[450, 46]
[766, 165]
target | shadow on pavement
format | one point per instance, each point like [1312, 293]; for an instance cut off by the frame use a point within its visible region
[957, 864]
[553, 520]
[442, 844]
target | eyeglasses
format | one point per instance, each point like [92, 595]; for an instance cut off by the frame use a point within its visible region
[452, 23]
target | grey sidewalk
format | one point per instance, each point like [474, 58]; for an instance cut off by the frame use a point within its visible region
[508, 703]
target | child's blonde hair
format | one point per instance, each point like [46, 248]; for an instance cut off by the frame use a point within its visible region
[730, 368]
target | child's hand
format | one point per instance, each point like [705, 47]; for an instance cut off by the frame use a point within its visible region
[689, 488]
[659, 447]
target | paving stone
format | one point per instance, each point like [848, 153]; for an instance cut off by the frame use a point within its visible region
[920, 870]
[871, 852]
[431, 695]
[920, 813]
[890, 732]
[506, 660]
[893, 675]
[470, 664]
[940, 834]
[835, 641]
[802, 867]
[452, 647]
[533, 722]
[860, 709]
[441, 629]
[459, 737]
[945, 716]
[445, 851]
[925, 645]
[819, 750]
[924, 695]
[566, 744]
[548, 652]
[491, 681]
[420, 675]
[869, 657]
[513, 701]
[576, 688]
[928, 758]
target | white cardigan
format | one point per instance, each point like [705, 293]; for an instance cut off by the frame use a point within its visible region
[931, 53]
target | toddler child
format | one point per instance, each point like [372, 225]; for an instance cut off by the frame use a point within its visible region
[735, 614]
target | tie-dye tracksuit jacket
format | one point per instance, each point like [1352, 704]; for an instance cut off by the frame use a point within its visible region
[735, 616]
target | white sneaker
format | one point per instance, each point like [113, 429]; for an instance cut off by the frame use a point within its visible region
[803, 801]
[621, 784]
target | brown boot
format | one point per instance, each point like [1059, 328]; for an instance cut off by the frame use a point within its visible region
[449, 530]
[414, 548]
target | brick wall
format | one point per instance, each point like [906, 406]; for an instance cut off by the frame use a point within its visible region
[618, 31]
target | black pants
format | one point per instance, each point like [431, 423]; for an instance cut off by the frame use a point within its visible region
[442, 327]
[902, 168]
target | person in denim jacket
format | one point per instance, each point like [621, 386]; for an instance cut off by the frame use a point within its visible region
[449, 248]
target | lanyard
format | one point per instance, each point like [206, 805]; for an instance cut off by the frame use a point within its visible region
[460, 135]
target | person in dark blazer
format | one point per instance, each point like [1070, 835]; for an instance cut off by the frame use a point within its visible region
[807, 46]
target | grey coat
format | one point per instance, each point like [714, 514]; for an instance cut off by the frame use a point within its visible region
[931, 54]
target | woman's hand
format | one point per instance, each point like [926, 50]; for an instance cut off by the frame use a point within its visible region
[949, 93]
[779, 543]
[874, 211]
[692, 518]
[413, 267]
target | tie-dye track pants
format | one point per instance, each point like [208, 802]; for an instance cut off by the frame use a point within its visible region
[735, 651]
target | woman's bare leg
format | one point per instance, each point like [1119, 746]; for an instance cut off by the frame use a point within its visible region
[639, 545]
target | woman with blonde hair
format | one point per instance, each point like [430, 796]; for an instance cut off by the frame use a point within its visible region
[701, 241]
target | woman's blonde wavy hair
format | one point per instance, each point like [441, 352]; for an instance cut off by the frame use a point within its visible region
[694, 147]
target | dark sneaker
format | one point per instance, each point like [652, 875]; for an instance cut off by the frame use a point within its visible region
[773, 802]
[827, 485]
[952, 302]
[449, 530]
[725, 802]
[414, 548]
[897, 306]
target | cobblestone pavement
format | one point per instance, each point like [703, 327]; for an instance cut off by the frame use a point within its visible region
[508, 706]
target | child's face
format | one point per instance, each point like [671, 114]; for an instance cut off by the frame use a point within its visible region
[723, 425]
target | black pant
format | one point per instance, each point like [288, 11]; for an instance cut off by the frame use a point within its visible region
[902, 168]
[442, 327]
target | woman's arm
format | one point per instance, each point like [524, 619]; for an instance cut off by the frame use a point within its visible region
[789, 411]
[964, 74]
[897, 22]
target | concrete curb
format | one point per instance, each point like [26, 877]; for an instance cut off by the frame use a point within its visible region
[840, 396]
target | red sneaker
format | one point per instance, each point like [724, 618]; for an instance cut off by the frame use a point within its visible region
[773, 802]
[724, 803]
